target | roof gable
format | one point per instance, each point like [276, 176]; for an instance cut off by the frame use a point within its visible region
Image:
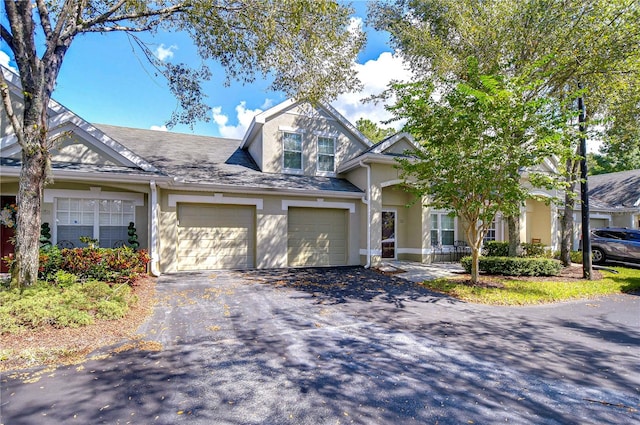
[76, 140]
[321, 110]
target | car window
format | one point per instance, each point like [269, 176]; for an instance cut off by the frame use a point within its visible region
[632, 236]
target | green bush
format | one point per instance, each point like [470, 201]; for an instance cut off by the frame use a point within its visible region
[515, 266]
[496, 249]
[501, 249]
[118, 265]
[62, 305]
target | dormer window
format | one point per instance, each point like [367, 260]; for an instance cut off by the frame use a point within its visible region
[292, 151]
[326, 155]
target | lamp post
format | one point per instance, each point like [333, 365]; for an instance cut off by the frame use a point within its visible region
[587, 270]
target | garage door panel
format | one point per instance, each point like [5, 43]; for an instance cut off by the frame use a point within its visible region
[215, 237]
[317, 237]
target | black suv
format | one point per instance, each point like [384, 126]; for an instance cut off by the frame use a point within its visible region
[615, 243]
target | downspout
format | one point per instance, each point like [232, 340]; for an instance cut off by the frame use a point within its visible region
[367, 200]
[154, 229]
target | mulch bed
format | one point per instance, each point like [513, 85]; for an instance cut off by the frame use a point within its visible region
[50, 345]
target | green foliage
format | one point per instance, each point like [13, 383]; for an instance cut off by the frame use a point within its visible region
[372, 131]
[117, 265]
[49, 262]
[133, 237]
[496, 249]
[516, 292]
[515, 266]
[45, 235]
[534, 250]
[64, 304]
[64, 279]
[476, 137]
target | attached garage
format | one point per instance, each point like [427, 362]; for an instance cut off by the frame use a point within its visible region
[216, 237]
[317, 237]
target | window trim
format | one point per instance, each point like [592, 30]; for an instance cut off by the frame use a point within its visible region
[440, 214]
[335, 143]
[286, 169]
[96, 213]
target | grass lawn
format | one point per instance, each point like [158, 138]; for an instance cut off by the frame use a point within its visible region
[500, 290]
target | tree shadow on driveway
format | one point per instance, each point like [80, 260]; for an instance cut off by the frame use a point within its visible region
[339, 285]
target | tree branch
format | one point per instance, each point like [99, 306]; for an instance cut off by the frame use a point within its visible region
[45, 22]
[8, 107]
[5, 34]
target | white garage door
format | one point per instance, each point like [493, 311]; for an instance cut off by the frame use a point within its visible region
[215, 237]
[317, 237]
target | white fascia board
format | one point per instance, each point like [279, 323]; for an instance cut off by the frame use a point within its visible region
[259, 120]
[368, 158]
[347, 124]
[86, 176]
[318, 203]
[393, 140]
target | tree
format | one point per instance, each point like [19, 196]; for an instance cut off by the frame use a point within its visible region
[306, 46]
[475, 139]
[557, 43]
[373, 132]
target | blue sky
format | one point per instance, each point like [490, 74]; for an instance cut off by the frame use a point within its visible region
[104, 81]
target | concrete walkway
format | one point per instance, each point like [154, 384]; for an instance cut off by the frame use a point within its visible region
[419, 272]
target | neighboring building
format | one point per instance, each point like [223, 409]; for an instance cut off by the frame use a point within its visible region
[614, 201]
[303, 188]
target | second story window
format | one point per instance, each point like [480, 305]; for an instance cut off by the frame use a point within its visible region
[326, 154]
[292, 148]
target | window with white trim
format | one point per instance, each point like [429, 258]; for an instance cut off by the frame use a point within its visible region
[443, 231]
[103, 219]
[326, 154]
[292, 151]
[491, 232]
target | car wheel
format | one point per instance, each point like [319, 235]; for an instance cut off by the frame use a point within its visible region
[597, 256]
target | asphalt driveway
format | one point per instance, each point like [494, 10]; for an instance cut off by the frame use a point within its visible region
[346, 345]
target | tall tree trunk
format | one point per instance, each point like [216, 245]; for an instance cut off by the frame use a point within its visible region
[566, 228]
[515, 248]
[30, 190]
[566, 223]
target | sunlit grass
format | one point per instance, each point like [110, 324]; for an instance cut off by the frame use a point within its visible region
[523, 292]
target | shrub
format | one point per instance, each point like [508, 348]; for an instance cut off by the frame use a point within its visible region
[501, 249]
[69, 305]
[496, 249]
[534, 250]
[119, 265]
[515, 266]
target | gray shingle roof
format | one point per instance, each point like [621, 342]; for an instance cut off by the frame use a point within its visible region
[202, 159]
[617, 190]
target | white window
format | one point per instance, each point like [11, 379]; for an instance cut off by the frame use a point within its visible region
[103, 219]
[443, 231]
[491, 232]
[292, 151]
[326, 155]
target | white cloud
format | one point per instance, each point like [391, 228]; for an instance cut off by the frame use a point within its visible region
[4, 61]
[375, 75]
[159, 127]
[163, 53]
[243, 115]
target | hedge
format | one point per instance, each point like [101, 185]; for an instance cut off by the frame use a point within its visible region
[515, 266]
[501, 249]
[117, 265]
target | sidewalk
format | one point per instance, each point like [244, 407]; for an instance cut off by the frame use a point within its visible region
[419, 272]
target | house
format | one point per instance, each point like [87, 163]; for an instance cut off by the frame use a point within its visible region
[614, 201]
[302, 188]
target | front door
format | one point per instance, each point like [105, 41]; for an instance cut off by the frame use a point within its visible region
[389, 234]
[6, 235]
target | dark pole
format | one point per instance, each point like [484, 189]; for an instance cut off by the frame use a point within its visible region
[587, 271]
